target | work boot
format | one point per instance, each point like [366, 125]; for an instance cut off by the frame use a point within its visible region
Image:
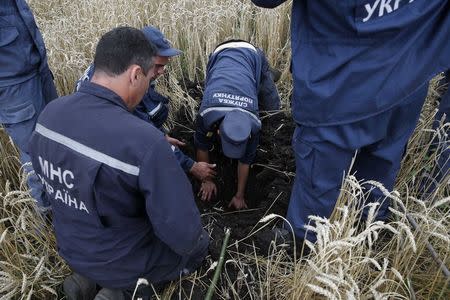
[282, 238]
[77, 287]
[109, 294]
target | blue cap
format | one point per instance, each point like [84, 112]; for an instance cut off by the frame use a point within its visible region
[235, 131]
[158, 39]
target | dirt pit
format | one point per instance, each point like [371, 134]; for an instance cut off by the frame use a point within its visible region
[268, 188]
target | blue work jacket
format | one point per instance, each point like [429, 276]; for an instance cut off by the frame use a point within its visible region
[122, 206]
[22, 49]
[355, 59]
[237, 78]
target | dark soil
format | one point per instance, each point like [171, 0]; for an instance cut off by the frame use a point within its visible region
[269, 184]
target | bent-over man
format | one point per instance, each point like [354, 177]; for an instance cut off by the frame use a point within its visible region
[239, 83]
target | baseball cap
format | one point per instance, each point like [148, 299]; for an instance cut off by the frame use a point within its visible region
[235, 131]
[158, 39]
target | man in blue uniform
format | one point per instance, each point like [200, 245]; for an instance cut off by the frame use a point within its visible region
[360, 72]
[122, 207]
[238, 84]
[26, 83]
[154, 107]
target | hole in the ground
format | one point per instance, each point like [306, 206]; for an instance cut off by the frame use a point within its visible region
[269, 183]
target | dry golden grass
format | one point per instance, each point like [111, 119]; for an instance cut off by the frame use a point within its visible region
[30, 267]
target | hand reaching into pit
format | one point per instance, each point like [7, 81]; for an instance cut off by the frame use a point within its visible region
[208, 190]
[175, 142]
[238, 203]
[203, 171]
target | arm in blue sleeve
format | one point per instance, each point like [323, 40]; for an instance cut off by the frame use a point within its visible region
[153, 108]
[157, 106]
[141, 112]
[268, 3]
[268, 97]
[250, 151]
[185, 161]
[170, 202]
[201, 139]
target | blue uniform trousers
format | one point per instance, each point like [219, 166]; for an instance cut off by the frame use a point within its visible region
[29, 98]
[324, 154]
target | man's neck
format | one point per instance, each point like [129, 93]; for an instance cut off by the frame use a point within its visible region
[115, 84]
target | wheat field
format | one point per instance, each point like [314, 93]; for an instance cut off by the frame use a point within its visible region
[345, 263]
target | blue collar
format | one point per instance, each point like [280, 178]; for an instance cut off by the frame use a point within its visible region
[101, 92]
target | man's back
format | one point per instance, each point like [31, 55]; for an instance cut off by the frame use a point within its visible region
[233, 76]
[355, 59]
[110, 178]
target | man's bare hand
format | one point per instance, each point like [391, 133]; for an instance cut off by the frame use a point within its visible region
[175, 142]
[237, 203]
[208, 190]
[202, 170]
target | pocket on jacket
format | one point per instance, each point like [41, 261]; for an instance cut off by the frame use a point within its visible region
[15, 51]
[18, 113]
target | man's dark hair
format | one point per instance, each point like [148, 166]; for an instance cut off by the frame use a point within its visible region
[122, 47]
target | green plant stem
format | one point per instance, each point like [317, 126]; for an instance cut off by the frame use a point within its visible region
[212, 287]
